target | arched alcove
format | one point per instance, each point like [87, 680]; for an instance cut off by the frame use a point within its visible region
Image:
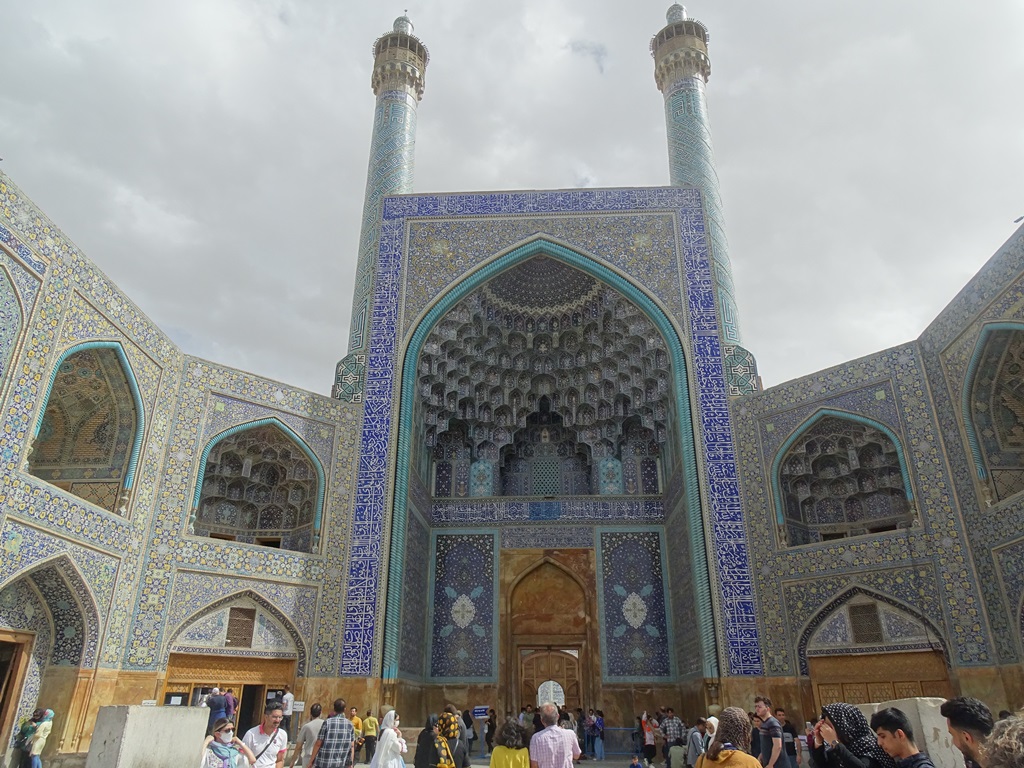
[548, 600]
[840, 475]
[993, 408]
[88, 439]
[260, 485]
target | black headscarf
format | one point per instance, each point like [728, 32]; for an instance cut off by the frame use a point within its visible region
[856, 735]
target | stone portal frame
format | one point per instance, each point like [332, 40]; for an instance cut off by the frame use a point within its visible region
[695, 278]
[133, 385]
[966, 409]
[780, 455]
[321, 479]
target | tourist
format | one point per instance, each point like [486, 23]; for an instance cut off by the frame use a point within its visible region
[288, 704]
[1004, 747]
[307, 737]
[467, 720]
[599, 734]
[268, 740]
[451, 709]
[648, 726]
[755, 734]
[695, 742]
[491, 729]
[426, 755]
[353, 717]
[449, 747]
[334, 747]
[676, 754]
[222, 748]
[672, 728]
[218, 706]
[790, 739]
[32, 737]
[843, 739]
[231, 704]
[969, 722]
[553, 747]
[588, 731]
[710, 726]
[731, 743]
[511, 751]
[371, 727]
[771, 733]
[390, 744]
[896, 736]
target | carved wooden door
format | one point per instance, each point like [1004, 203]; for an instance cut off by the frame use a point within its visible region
[540, 666]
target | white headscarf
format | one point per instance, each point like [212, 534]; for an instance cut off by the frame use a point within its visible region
[389, 746]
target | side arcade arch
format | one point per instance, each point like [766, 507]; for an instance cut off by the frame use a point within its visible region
[260, 482]
[681, 400]
[88, 437]
[840, 474]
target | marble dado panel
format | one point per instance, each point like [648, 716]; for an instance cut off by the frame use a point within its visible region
[463, 607]
[940, 542]
[636, 642]
[494, 511]
[440, 252]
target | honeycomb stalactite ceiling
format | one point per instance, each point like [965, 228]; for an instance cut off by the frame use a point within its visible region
[544, 330]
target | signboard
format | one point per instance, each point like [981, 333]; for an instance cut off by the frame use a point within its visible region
[298, 706]
[149, 702]
[481, 711]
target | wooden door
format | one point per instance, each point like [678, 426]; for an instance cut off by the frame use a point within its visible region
[542, 665]
[874, 677]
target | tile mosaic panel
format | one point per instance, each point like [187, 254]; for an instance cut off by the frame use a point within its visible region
[635, 640]
[679, 564]
[10, 322]
[463, 607]
[499, 510]
[414, 598]
[70, 630]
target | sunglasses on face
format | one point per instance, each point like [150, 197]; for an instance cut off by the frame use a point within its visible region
[226, 730]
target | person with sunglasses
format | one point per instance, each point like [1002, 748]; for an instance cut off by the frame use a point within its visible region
[222, 748]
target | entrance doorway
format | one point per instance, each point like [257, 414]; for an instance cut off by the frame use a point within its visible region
[15, 648]
[550, 675]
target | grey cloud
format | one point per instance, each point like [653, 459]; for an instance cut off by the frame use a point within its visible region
[590, 50]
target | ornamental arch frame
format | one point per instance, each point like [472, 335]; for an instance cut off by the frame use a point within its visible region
[682, 390]
[806, 424]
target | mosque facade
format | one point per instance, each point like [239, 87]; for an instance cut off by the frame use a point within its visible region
[547, 464]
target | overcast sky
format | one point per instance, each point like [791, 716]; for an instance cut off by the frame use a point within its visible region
[210, 155]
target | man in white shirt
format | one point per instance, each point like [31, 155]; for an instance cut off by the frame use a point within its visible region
[553, 747]
[268, 741]
[288, 700]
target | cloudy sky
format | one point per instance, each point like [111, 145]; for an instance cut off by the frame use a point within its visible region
[210, 155]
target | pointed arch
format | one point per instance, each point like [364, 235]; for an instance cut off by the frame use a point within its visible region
[301, 444]
[227, 602]
[133, 386]
[843, 597]
[989, 334]
[808, 424]
[672, 335]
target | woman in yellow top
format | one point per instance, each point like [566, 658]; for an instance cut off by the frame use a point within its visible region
[732, 738]
[511, 751]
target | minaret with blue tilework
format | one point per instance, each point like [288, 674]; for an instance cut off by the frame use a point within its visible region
[681, 70]
[399, 70]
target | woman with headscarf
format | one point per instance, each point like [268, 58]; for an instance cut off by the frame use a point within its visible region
[222, 748]
[32, 737]
[425, 745]
[448, 750]
[731, 742]
[710, 726]
[390, 744]
[843, 739]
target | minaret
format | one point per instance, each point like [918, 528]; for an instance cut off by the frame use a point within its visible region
[399, 69]
[681, 70]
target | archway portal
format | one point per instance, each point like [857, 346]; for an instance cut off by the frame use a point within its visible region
[544, 382]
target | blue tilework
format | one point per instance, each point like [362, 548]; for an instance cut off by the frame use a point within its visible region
[635, 643]
[547, 537]
[22, 608]
[498, 510]
[463, 608]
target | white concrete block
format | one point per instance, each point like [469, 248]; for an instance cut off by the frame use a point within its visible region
[148, 737]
